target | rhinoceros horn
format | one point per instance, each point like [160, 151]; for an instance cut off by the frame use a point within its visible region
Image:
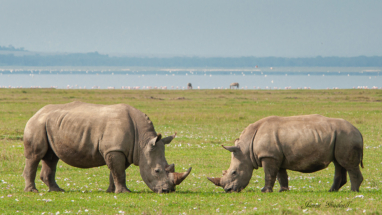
[216, 181]
[179, 177]
[168, 139]
[170, 168]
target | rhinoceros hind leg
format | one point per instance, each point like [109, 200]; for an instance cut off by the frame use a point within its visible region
[282, 177]
[48, 171]
[30, 174]
[340, 177]
[116, 161]
[271, 168]
[356, 178]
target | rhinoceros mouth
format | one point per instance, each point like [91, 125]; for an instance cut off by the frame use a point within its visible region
[233, 189]
[228, 190]
[164, 190]
[168, 190]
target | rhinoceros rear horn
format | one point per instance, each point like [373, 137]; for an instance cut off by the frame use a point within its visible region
[170, 168]
[179, 177]
[216, 181]
[168, 139]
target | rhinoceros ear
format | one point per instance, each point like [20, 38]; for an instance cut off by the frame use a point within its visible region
[158, 138]
[231, 148]
[168, 139]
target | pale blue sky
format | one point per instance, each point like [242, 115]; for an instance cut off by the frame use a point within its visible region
[282, 28]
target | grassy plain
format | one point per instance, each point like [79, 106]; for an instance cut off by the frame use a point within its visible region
[204, 119]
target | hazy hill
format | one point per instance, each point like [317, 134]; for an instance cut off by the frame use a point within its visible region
[10, 56]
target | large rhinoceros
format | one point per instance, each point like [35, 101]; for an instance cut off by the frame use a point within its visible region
[305, 143]
[90, 135]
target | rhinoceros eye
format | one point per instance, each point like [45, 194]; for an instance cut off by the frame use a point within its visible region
[157, 170]
[234, 172]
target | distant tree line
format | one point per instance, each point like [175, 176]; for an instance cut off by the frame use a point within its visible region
[11, 48]
[96, 59]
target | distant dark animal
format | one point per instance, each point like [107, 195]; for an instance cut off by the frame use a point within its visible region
[233, 85]
[189, 86]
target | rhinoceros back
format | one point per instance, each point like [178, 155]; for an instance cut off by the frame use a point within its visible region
[308, 143]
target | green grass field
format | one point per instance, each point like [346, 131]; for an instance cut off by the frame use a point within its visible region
[204, 120]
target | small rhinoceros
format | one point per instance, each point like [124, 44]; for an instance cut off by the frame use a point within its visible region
[90, 135]
[305, 143]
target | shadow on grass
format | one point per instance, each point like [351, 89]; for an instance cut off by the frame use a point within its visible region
[142, 192]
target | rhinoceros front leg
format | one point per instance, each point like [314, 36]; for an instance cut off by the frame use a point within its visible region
[48, 172]
[30, 174]
[111, 188]
[340, 177]
[116, 161]
[282, 177]
[271, 168]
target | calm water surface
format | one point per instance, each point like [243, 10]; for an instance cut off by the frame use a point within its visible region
[203, 80]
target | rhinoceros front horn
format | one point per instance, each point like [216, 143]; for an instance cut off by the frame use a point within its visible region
[216, 181]
[179, 177]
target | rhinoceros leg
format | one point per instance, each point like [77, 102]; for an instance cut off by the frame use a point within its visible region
[271, 168]
[282, 177]
[30, 174]
[48, 171]
[340, 177]
[116, 161]
[111, 188]
[356, 178]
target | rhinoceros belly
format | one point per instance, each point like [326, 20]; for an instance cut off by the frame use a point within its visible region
[75, 140]
[78, 154]
[307, 151]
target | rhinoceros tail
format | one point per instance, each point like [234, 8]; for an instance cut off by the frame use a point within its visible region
[362, 159]
[362, 151]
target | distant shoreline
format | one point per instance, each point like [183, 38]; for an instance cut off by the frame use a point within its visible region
[110, 70]
[96, 59]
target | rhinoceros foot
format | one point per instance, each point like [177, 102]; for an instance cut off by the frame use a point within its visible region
[110, 190]
[34, 190]
[267, 190]
[122, 190]
[56, 189]
[282, 189]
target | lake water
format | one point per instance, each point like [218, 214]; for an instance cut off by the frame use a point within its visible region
[294, 78]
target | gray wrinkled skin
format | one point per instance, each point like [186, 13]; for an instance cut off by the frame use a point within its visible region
[89, 135]
[305, 143]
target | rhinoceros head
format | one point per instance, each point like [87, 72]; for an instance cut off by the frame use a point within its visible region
[155, 171]
[237, 177]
